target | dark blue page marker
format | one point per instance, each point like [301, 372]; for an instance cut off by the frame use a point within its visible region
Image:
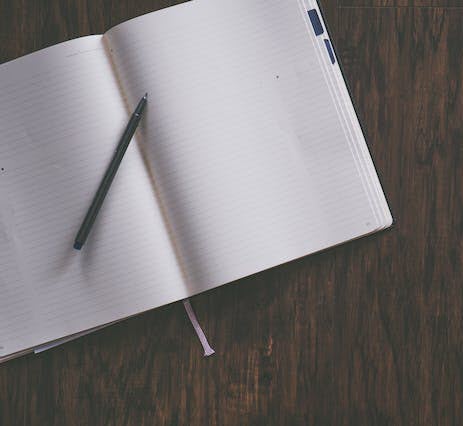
[316, 24]
[330, 51]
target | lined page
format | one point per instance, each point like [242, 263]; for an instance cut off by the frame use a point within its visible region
[61, 116]
[249, 154]
[348, 116]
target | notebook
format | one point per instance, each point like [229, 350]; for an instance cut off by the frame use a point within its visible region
[249, 155]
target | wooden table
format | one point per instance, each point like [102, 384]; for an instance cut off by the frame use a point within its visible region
[369, 333]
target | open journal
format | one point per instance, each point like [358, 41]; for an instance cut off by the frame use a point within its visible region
[249, 155]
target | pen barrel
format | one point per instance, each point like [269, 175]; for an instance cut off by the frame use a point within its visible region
[108, 178]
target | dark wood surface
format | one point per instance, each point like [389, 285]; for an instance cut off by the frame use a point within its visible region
[369, 333]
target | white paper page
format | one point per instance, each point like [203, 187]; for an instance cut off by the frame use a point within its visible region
[348, 116]
[61, 116]
[249, 153]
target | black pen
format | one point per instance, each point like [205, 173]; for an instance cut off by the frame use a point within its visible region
[109, 175]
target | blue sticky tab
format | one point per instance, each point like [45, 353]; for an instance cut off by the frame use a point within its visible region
[330, 51]
[316, 24]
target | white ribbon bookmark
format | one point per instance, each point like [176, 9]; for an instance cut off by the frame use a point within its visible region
[208, 351]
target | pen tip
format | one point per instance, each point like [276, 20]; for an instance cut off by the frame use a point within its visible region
[78, 245]
[146, 96]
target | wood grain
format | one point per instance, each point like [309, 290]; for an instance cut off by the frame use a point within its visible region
[369, 333]
[400, 3]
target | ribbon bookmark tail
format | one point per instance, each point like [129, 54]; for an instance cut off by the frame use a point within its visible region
[208, 351]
